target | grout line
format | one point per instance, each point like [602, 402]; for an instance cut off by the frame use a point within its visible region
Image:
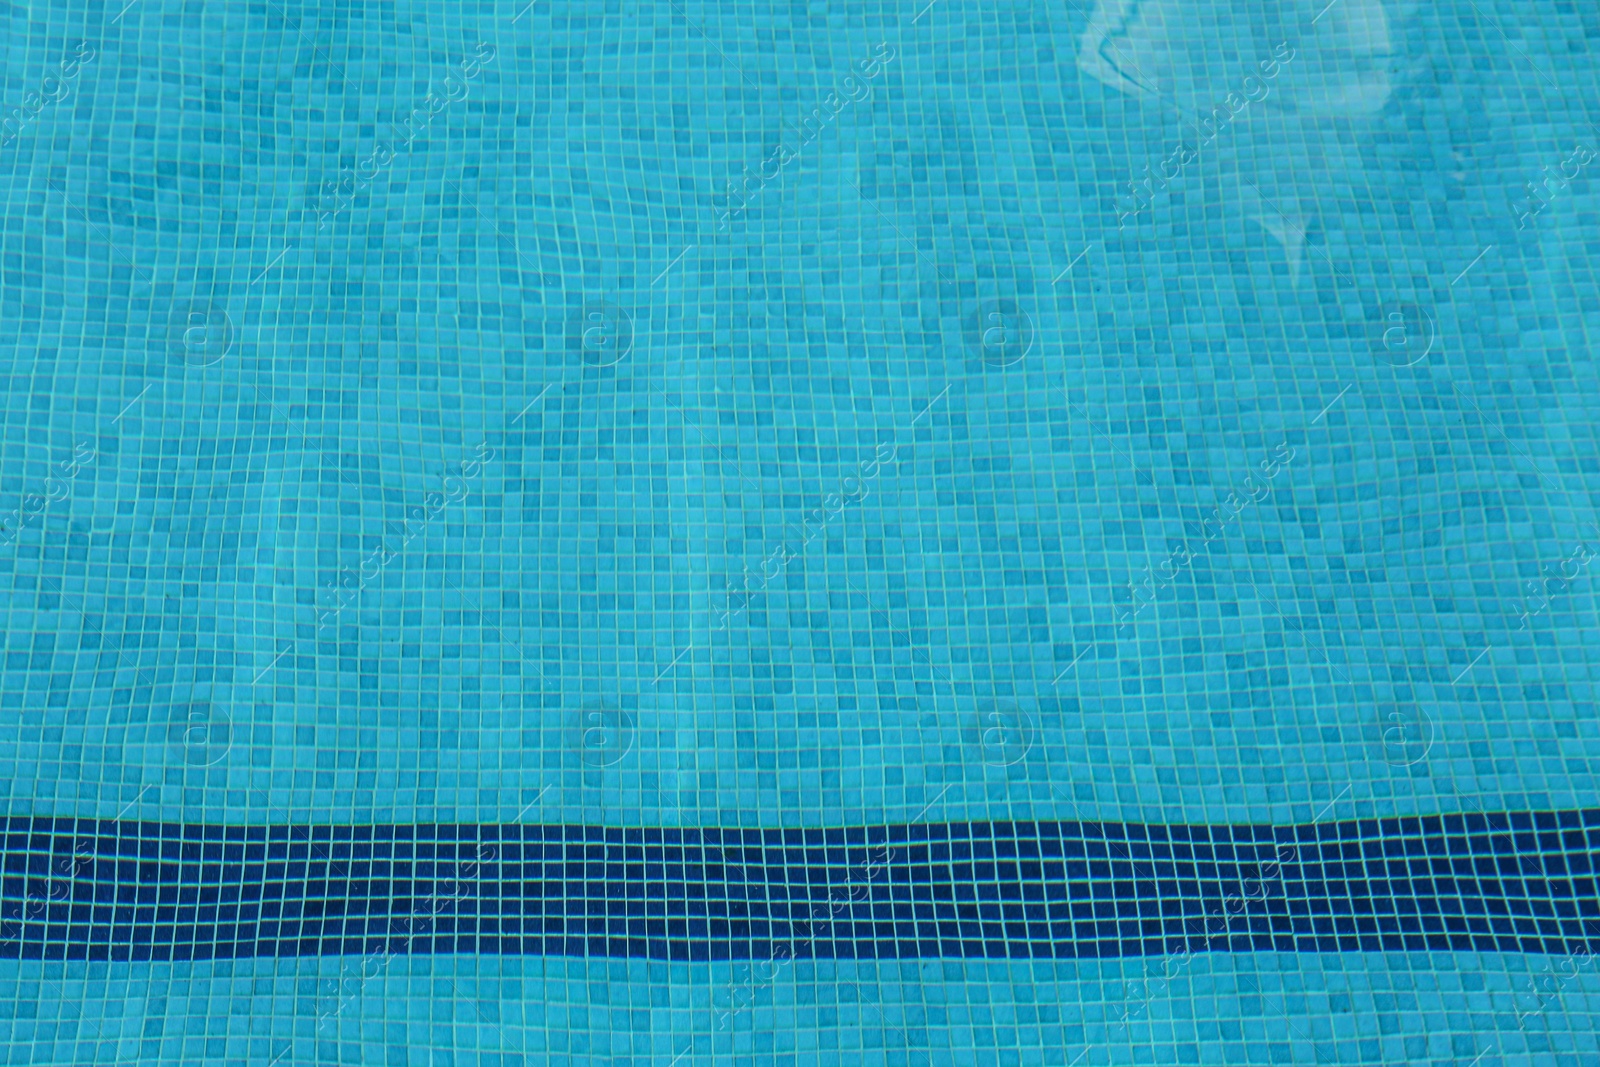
[1474, 263]
[133, 267]
[1527, 58]
[118, 816]
[915, 251]
[132, 402]
[1332, 402]
[929, 805]
[1074, 663]
[1108, 438]
[1074, 263]
[1495, 426]
[671, 665]
[532, 402]
[268, 268]
[1316, 1051]
[674, 263]
[518, 816]
[925, 411]
[872, 1003]
[271, 665]
[475, 606]
[929, 406]
[1331, 803]
[1469, 666]
[714, 46]
[485, 1019]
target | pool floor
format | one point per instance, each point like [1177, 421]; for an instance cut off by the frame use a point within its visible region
[971, 532]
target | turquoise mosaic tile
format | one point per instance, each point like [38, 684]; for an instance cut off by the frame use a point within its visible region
[686, 416]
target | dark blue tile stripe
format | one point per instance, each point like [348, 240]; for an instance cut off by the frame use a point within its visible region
[76, 889]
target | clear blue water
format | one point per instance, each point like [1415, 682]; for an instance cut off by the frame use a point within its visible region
[702, 415]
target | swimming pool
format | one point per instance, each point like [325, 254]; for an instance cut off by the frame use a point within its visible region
[970, 532]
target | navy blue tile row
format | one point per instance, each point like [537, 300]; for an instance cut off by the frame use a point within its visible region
[78, 889]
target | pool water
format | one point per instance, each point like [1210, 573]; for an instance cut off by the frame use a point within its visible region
[973, 532]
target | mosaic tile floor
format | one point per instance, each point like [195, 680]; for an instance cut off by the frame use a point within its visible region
[1163, 431]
